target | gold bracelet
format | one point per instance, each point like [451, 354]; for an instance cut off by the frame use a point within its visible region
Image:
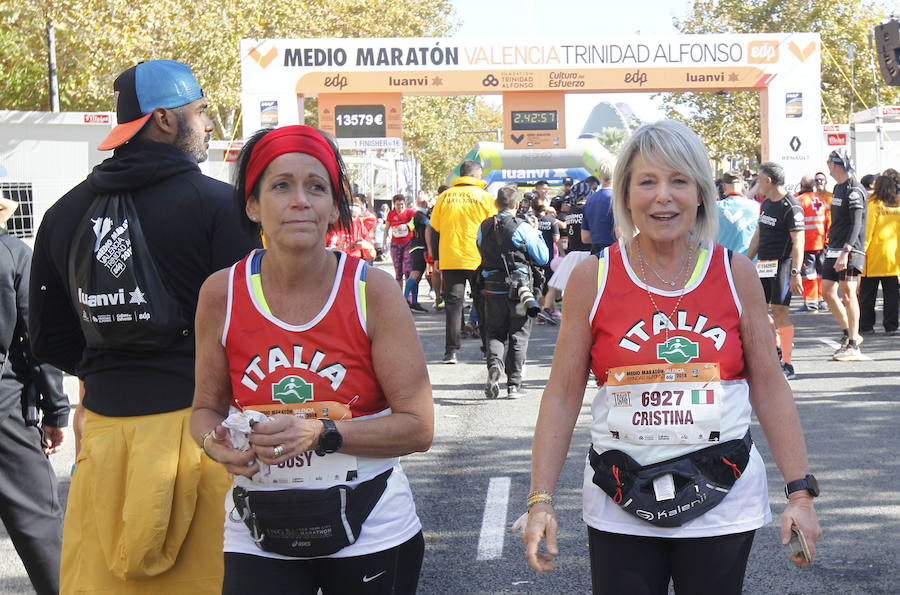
[537, 497]
[203, 444]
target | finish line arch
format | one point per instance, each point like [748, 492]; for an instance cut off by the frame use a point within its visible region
[360, 82]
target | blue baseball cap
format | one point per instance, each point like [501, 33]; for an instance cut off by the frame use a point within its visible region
[145, 87]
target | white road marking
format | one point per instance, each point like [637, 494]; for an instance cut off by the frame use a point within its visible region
[493, 523]
[835, 345]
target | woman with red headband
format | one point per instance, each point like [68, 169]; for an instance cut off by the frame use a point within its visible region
[308, 353]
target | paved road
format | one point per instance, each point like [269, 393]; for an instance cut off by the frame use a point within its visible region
[472, 484]
[849, 412]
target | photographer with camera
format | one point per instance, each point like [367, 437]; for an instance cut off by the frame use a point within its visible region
[512, 253]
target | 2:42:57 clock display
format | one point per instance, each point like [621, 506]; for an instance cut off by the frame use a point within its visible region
[535, 120]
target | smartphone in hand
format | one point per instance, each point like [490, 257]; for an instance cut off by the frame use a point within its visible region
[798, 545]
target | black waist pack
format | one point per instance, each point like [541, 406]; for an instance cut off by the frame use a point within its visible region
[702, 479]
[308, 523]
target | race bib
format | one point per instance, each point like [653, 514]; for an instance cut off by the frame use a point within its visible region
[766, 269]
[307, 469]
[400, 231]
[665, 403]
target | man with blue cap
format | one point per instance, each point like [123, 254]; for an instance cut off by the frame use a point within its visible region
[145, 507]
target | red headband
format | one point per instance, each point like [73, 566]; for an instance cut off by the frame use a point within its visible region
[291, 139]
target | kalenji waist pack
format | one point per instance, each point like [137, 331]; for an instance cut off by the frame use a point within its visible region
[701, 480]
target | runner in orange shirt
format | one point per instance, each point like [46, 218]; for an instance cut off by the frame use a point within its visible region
[814, 225]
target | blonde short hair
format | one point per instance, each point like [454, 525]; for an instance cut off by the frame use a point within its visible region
[671, 144]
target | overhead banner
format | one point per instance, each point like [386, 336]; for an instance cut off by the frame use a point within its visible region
[783, 67]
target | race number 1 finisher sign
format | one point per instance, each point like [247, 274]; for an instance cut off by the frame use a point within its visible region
[665, 403]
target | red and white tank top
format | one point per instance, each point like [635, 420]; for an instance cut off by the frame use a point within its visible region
[660, 398]
[327, 359]
[626, 331]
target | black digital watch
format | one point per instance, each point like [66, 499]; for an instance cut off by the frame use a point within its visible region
[808, 483]
[330, 440]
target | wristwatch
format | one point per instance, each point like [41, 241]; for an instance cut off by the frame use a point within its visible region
[795, 272]
[846, 249]
[330, 440]
[808, 483]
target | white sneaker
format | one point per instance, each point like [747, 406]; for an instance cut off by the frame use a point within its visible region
[848, 353]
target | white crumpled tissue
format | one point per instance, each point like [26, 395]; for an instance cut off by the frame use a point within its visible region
[239, 426]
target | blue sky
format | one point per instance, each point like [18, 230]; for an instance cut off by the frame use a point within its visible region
[559, 19]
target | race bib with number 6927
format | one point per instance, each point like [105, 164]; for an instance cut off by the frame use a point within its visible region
[665, 403]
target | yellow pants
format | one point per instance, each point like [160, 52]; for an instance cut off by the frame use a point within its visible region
[145, 511]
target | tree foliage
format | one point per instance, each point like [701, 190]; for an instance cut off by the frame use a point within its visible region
[97, 39]
[729, 122]
[441, 130]
[612, 138]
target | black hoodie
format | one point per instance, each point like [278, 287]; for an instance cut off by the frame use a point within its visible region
[191, 230]
[21, 369]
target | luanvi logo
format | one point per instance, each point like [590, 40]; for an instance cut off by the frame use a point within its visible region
[263, 59]
[116, 298]
[802, 54]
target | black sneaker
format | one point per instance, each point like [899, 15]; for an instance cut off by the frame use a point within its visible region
[450, 357]
[867, 331]
[417, 307]
[788, 370]
[492, 389]
[514, 391]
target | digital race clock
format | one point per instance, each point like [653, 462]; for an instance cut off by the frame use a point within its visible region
[535, 120]
[359, 121]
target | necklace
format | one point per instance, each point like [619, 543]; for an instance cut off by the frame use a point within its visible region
[656, 308]
[658, 276]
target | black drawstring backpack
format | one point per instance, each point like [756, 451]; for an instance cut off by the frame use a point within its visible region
[119, 296]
